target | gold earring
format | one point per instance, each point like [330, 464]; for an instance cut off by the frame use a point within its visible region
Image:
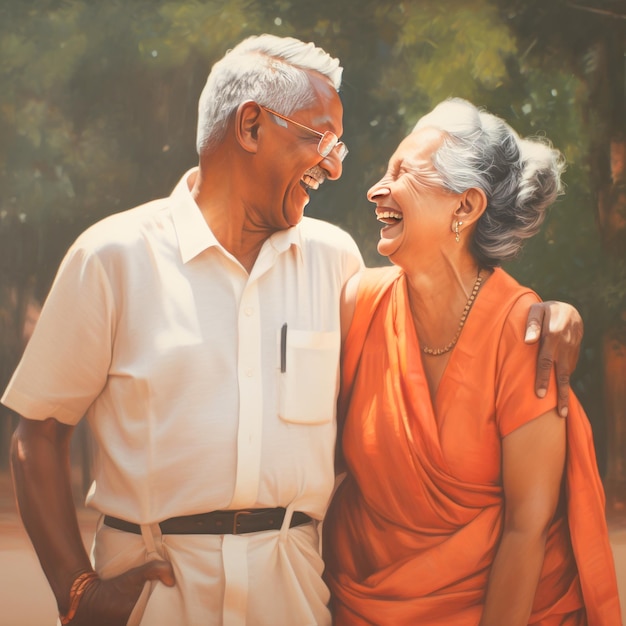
[457, 234]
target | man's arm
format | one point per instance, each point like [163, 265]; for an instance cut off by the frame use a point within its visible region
[40, 461]
[559, 329]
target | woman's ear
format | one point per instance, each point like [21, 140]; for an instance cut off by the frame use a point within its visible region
[472, 205]
[247, 121]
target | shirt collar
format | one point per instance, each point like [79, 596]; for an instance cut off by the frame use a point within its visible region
[284, 239]
[195, 235]
[192, 230]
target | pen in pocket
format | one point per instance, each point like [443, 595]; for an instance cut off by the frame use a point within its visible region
[283, 348]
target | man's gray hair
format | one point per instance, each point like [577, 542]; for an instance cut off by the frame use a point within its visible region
[267, 69]
[520, 177]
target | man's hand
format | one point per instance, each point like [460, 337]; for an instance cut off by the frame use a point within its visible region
[110, 602]
[559, 329]
[40, 463]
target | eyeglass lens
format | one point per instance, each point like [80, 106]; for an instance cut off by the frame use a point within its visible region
[329, 142]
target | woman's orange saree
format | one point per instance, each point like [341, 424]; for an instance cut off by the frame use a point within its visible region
[412, 531]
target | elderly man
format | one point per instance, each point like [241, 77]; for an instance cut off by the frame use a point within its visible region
[200, 336]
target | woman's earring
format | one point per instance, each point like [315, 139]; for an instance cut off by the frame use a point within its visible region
[455, 229]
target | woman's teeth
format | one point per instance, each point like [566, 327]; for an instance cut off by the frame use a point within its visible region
[388, 216]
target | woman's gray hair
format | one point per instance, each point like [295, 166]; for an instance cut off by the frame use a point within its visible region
[520, 177]
[267, 69]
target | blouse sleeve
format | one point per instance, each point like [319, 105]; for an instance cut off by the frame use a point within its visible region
[516, 401]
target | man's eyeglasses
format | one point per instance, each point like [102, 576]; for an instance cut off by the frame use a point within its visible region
[328, 140]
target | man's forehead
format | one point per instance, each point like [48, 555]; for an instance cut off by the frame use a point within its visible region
[328, 108]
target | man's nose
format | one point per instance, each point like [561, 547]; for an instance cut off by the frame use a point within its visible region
[332, 165]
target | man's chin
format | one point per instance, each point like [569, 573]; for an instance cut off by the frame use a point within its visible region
[294, 218]
[293, 214]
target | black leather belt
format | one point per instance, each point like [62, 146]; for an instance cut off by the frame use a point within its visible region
[217, 522]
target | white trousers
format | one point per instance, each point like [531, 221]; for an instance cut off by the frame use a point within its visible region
[268, 578]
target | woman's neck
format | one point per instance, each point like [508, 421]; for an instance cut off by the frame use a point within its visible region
[439, 299]
[440, 302]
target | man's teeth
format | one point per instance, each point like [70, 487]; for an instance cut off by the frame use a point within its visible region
[382, 215]
[310, 182]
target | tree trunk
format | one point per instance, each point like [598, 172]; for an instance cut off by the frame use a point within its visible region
[608, 170]
[615, 409]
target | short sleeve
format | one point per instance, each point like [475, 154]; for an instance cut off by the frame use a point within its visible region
[65, 364]
[516, 400]
[354, 262]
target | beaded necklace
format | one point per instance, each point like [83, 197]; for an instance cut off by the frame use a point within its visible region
[466, 310]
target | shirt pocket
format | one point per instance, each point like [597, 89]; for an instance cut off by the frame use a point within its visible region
[307, 389]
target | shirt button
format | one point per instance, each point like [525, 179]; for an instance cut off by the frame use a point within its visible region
[248, 311]
[249, 372]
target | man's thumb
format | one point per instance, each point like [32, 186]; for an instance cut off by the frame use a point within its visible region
[158, 570]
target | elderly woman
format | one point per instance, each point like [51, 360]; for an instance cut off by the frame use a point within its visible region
[468, 500]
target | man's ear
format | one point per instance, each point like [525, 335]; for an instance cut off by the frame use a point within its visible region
[247, 121]
[472, 205]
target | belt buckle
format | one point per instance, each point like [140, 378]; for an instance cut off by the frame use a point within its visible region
[237, 514]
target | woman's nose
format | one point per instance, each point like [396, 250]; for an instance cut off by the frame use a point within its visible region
[377, 191]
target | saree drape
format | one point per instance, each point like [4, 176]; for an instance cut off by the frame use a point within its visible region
[412, 531]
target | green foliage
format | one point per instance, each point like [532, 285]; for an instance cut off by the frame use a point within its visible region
[449, 49]
[95, 112]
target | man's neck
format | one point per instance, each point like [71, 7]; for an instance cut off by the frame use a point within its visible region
[226, 215]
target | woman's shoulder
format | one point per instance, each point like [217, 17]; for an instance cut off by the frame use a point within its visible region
[376, 279]
[362, 295]
[514, 298]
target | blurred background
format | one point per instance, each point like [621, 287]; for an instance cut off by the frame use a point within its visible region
[98, 111]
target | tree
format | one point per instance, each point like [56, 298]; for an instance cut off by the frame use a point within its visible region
[98, 110]
[588, 39]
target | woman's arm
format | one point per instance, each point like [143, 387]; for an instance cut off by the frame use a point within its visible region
[533, 458]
